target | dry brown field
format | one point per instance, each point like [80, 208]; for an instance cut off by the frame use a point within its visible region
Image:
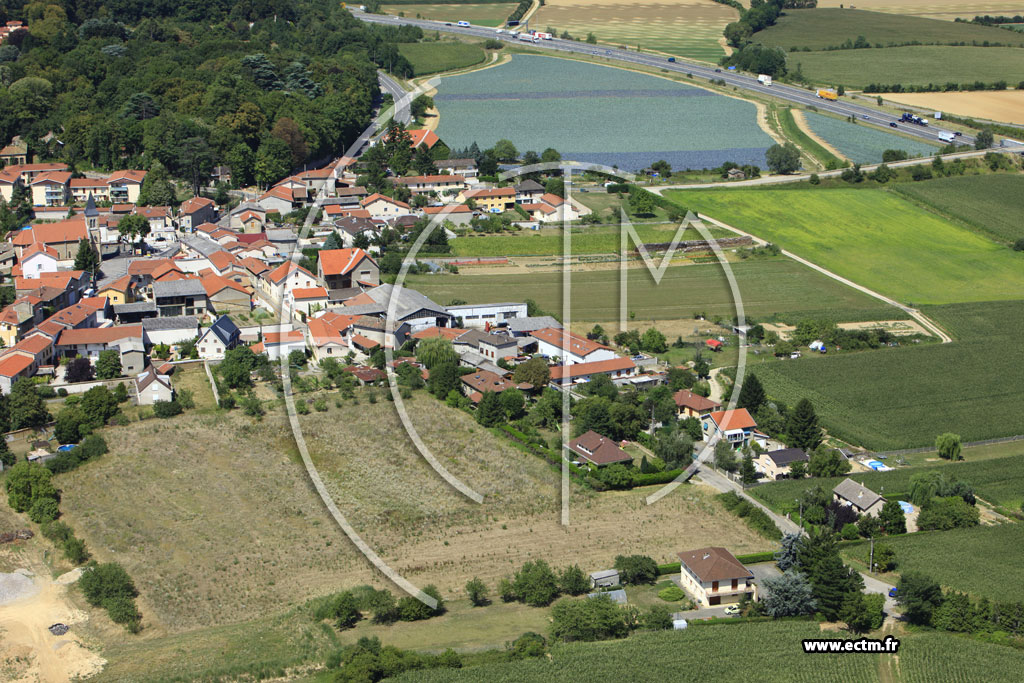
[1000, 105]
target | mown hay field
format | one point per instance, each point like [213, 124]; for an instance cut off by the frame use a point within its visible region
[435, 57]
[769, 288]
[911, 65]
[995, 105]
[692, 28]
[598, 114]
[985, 562]
[823, 28]
[549, 241]
[990, 203]
[861, 143]
[479, 14]
[904, 397]
[875, 238]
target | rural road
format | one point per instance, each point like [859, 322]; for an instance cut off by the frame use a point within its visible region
[780, 179]
[713, 478]
[703, 70]
[913, 312]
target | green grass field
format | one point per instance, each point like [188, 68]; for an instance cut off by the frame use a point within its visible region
[985, 562]
[822, 28]
[873, 237]
[549, 242]
[904, 397]
[731, 651]
[769, 288]
[999, 481]
[434, 57]
[991, 203]
[479, 14]
[911, 65]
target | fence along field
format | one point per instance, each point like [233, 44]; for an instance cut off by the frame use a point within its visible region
[770, 287]
[863, 144]
[874, 237]
[598, 114]
[692, 28]
[904, 397]
[992, 204]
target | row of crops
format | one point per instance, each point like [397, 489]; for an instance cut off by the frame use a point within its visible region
[598, 114]
[863, 144]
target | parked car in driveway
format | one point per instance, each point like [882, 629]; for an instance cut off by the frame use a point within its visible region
[735, 609]
[892, 592]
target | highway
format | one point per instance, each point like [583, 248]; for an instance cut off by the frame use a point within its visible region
[699, 70]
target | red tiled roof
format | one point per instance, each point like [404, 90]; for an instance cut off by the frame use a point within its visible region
[282, 337]
[598, 449]
[196, 203]
[733, 419]
[214, 283]
[87, 182]
[377, 196]
[280, 273]
[280, 192]
[70, 230]
[446, 332]
[221, 259]
[309, 293]
[363, 342]
[552, 199]
[687, 399]
[423, 136]
[38, 248]
[99, 335]
[594, 367]
[55, 177]
[428, 179]
[577, 345]
[341, 261]
[122, 284]
[714, 564]
[208, 228]
[490, 192]
[12, 364]
[450, 208]
[127, 176]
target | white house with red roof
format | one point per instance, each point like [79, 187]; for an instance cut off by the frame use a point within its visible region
[83, 188]
[550, 208]
[272, 285]
[37, 259]
[282, 198]
[62, 236]
[277, 344]
[327, 335]
[578, 373]
[8, 180]
[161, 218]
[24, 359]
[441, 184]
[458, 214]
[381, 206]
[570, 348]
[306, 300]
[597, 450]
[736, 426]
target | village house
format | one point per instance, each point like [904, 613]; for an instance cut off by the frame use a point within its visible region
[24, 359]
[713, 576]
[171, 330]
[218, 338]
[38, 259]
[89, 342]
[306, 301]
[493, 200]
[151, 387]
[862, 499]
[689, 404]
[577, 373]
[272, 285]
[380, 206]
[458, 214]
[225, 295]
[15, 153]
[550, 208]
[488, 315]
[462, 167]
[125, 186]
[776, 464]
[51, 189]
[347, 268]
[440, 184]
[83, 188]
[476, 384]
[737, 427]
[196, 211]
[570, 348]
[278, 344]
[282, 199]
[598, 450]
[327, 335]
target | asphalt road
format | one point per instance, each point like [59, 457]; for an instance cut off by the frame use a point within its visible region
[698, 69]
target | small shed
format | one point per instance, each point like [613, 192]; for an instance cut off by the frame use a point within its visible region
[679, 624]
[604, 579]
[616, 596]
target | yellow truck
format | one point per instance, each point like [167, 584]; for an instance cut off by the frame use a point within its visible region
[826, 94]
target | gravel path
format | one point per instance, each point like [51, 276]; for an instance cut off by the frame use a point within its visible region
[16, 586]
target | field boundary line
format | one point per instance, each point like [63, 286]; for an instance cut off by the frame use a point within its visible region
[913, 312]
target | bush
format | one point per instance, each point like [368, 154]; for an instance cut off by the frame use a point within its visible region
[529, 644]
[122, 610]
[672, 594]
[62, 392]
[588, 619]
[226, 402]
[74, 550]
[185, 399]
[165, 409]
[636, 569]
[44, 510]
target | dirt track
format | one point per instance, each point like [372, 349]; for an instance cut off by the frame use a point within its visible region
[28, 651]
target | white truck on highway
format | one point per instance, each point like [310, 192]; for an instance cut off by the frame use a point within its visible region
[764, 79]
[464, 23]
[528, 38]
[541, 35]
[946, 136]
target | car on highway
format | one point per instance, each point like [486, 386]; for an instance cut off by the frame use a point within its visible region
[672, 59]
[892, 124]
[718, 71]
[500, 30]
[732, 609]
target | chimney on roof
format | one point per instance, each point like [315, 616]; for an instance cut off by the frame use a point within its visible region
[706, 556]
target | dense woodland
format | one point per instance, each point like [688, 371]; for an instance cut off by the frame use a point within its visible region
[261, 86]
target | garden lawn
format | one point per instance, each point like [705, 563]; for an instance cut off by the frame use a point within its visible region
[598, 114]
[861, 143]
[874, 238]
[434, 57]
[990, 203]
[912, 65]
[985, 562]
[770, 287]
